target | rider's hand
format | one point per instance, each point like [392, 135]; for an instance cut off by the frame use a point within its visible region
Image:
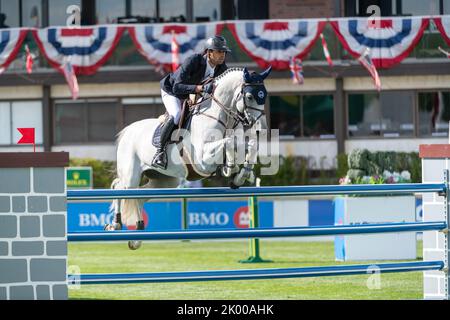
[208, 88]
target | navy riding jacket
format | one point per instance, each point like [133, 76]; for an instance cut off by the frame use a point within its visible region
[183, 81]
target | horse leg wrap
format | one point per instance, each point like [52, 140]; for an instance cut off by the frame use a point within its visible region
[118, 221]
[140, 225]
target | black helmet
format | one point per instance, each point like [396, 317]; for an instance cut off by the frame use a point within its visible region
[217, 43]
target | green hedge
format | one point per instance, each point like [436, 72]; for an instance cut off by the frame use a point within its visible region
[103, 171]
[362, 162]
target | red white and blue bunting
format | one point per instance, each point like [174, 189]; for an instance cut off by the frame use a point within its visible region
[443, 24]
[154, 41]
[276, 42]
[87, 48]
[10, 42]
[389, 40]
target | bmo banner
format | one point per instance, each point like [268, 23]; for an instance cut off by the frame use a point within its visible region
[167, 215]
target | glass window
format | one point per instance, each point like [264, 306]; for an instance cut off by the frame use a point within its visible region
[389, 114]
[434, 113]
[85, 121]
[9, 14]
[107, 11]
[446, 9]
[102, 121]
[58, 11]
[285, 115]
[318, 116]
[32, 13]
[364, 115]
[206, 10]
[143, 8]
[27, 114]
[141, 108]
[420, 7]
[172, 10]
[70, 122]
[5, 123]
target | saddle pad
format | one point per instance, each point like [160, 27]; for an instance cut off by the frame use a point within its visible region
[156, 140]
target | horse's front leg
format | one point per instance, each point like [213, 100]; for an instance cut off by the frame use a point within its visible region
[246, 173]
[213, 154]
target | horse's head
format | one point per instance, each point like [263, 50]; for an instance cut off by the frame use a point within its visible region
[252, 98]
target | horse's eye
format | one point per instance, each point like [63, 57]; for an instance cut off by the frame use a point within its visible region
[249, 96]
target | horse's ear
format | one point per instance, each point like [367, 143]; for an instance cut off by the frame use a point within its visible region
[247, 77]
[266, 72]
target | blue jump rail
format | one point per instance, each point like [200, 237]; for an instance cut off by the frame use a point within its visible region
[256, 233]
[372, 189]
[253, 274]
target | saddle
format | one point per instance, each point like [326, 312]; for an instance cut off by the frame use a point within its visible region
[190, 107]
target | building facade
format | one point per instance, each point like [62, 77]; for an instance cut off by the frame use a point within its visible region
[336, 110]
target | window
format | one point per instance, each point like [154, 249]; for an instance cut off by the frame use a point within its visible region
[32, 13]
[389, 114]
[20, 114]
[107, 11]
[285, 115]
[135, 109]
[446, 8]
[318, 117]
[9, 14]
[85, 121]
[308, 116]
[419, 7]
[172, 10]
[143, 8]
[355, 8]
[206, 10]
[434, 113]
[57, 11]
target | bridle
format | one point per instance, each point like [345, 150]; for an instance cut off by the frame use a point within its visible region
[238, 117]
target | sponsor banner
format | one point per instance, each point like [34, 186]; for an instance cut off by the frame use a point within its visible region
[167, 215]
[213, 215]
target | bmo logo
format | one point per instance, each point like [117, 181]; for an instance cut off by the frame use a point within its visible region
[208, 219]
[94, 220]
[99, 220]
[241, 217]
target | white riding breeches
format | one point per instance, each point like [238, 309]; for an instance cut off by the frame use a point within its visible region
[172, 104]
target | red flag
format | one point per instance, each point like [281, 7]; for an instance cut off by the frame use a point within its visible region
[29, 60]
[27, 137]
[366, 61]
[297, 71]
[71, 79]
[175, 52]
[325, 50]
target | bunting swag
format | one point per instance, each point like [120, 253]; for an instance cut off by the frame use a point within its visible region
[389, 40]
[154, 41]
[443, 24]
[276, 42]
[88, 48]
[10, 42]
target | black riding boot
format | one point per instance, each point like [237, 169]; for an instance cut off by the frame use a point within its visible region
[160, 159]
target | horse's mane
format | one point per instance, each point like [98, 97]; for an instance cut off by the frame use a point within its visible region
[227, 72]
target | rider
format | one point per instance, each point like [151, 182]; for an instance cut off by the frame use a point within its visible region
[186, 80]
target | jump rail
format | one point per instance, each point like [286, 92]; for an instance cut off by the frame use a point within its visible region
[257, 233]
[254, 274]
[372, 189]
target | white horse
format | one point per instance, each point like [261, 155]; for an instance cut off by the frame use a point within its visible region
[233, 104]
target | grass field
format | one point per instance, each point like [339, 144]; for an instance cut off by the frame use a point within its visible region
[186, 256]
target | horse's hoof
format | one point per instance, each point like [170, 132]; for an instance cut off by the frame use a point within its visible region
[233, 186]
[134, 245]
[112, 227]
[109, 227]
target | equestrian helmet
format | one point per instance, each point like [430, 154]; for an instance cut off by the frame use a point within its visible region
[217, 43]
